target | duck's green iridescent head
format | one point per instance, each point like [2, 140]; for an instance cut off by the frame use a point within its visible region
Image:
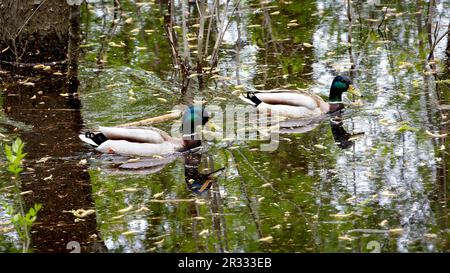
[194, 116]
[339, 85]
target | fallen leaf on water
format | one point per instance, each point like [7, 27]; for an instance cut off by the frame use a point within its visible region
[200, 202]
[43, 160]
[81, 213]
[27, 83]
[320, 146]
[127, 209]
[356, 136]
[385, 121]
[396, 230]
[142, 209]
[267, 239]
[114, 44]
[435, 135]
[82, 162]
[48, 177]
[130, 189]
[38, 66]
[387, 193]
[157, 195]
[405, 65]
[345, 238]
[130, 232]
[204, 232]
[6, 229]
[406, 127]
[339, 215]
[117, 217]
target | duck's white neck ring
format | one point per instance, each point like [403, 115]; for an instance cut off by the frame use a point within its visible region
[189, 135]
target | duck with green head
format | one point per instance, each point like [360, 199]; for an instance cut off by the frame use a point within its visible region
[301, 104]
[149, 141]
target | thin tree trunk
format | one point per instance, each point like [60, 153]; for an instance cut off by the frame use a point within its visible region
[74, 48]
[186, 51]
[447, 50]
[429, 25]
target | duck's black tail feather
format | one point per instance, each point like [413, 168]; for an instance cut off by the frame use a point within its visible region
[98, 138]
[251, 96]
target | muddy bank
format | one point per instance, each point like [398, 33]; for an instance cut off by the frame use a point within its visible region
[53, 172]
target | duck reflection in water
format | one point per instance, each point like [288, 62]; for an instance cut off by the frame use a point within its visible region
[199, 172]
[342, 138]
[199, 168]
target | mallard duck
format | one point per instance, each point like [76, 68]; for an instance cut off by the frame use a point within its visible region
[149, 141]
[300, 104]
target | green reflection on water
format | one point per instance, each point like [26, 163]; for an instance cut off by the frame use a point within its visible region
[389, 187]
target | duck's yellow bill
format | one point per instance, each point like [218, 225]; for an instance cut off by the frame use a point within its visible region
[352, 90]
[212, 125]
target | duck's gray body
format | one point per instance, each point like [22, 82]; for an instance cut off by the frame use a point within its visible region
[290, 103]
[137, 141]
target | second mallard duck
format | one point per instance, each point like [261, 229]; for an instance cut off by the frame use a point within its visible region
[301, 104]
[149, 141]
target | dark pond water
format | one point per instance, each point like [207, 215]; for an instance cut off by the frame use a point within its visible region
[386, 190]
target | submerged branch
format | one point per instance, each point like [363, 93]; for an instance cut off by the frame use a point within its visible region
[153, 120]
